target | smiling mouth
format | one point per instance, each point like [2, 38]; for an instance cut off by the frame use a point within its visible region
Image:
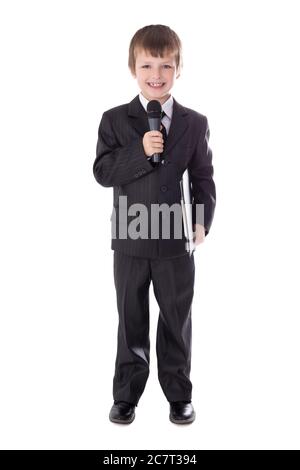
[156, 85]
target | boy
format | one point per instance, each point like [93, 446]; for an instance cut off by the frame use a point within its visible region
[124, 161]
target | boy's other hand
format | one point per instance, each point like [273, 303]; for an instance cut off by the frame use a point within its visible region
[153, 143]
[199, 233]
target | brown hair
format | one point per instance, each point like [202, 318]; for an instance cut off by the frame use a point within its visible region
[155, 39]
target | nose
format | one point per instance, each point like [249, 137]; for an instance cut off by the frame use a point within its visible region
[156, 74]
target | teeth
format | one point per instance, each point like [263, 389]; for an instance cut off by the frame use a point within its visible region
[155, 84]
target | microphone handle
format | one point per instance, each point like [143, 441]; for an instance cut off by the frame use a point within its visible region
[154, 124]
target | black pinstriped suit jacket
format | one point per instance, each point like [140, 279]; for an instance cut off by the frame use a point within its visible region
[122, 164]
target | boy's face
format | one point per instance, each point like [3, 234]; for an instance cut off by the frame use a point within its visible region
[151, 70]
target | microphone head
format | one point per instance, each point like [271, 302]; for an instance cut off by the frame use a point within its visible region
[154, 109]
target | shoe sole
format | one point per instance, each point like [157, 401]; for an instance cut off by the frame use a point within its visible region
[183, 421]
[122, 421]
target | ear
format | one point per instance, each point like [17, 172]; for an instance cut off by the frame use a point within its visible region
[133, 73]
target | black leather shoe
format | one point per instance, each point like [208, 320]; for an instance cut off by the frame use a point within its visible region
[122, 412]
[182, 412]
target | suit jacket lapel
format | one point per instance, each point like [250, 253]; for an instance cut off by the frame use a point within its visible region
[178, 127]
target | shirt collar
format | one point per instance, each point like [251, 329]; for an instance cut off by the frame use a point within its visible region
[167, 107]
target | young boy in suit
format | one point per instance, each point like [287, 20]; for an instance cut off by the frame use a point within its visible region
[124, 161]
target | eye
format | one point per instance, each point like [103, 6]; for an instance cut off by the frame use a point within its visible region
[145, 66]
[167, 66]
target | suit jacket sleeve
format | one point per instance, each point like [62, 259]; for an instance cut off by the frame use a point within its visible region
[201, 173]
[116, 165]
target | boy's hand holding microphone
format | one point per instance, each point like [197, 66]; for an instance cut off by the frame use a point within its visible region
[153, 142]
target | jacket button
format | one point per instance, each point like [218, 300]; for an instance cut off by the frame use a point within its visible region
[164, 188]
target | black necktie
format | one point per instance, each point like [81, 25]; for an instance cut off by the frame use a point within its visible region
[163, 131]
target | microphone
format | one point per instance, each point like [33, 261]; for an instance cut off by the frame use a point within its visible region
[154, 118]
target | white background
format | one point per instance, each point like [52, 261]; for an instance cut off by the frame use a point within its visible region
[63, 63]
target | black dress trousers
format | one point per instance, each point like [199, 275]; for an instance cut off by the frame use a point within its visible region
[173, 285]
